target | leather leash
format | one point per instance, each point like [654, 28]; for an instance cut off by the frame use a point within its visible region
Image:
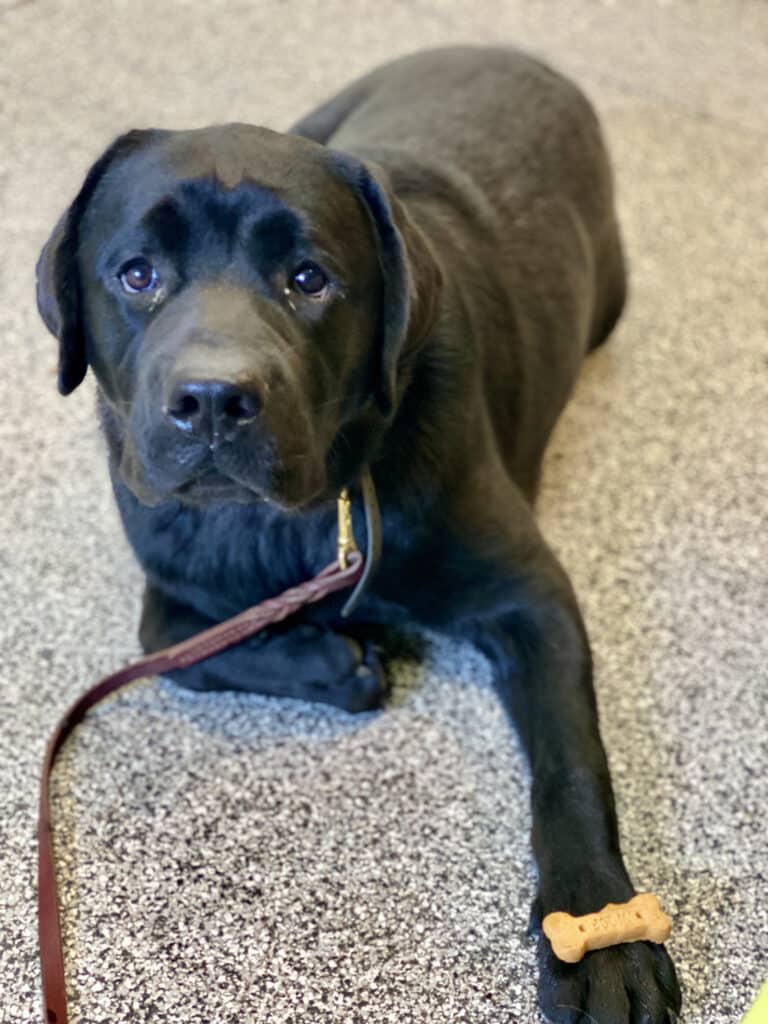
[350, 568]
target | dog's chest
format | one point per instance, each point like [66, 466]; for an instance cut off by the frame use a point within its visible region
[221, 559]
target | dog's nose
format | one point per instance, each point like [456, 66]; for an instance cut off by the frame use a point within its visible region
[212, 410]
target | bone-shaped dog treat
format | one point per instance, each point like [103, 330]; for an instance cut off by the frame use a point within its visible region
[640, 918]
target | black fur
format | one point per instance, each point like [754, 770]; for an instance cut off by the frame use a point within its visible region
[460, 203]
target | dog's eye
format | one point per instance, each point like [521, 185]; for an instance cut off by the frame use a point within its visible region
[310, 280]
[138, 276]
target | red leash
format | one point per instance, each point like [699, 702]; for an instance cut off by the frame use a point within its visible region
[349, 569]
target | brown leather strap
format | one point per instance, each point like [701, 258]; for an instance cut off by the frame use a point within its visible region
[203, 645]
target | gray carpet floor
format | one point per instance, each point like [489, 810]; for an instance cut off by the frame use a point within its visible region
[229, 859]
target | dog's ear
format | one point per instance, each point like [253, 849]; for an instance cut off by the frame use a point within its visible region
[59, 298]
[411, 276]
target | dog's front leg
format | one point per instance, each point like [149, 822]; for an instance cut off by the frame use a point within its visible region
[543, 671]
[295, 659]
[511, 596]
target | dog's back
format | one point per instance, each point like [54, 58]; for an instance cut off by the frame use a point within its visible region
[502, 160]
[514, 127]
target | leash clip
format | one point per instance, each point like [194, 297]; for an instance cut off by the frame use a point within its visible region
[346, 545]
[347, 548]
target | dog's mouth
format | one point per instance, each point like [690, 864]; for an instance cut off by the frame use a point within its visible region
[214, 487]
[232, 474]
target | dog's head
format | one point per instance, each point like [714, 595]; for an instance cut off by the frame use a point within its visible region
[248, 301]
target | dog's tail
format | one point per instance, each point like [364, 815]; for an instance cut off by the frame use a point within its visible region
[324, 121]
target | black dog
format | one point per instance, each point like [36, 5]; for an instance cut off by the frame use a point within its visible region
[409, 281]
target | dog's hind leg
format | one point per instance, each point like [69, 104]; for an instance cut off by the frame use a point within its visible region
[612, 272]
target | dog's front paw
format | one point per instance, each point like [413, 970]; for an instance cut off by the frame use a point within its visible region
[633, 983]
[364, 685]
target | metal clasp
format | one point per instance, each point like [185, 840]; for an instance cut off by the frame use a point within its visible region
[346, 545]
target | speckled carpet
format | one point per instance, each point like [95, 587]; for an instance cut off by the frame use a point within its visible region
[230, 859]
